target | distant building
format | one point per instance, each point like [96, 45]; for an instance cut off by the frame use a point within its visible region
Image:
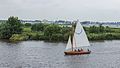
[64, 23]
[46, 21]
[30, 21]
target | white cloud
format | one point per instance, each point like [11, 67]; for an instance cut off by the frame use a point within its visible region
[99, 10]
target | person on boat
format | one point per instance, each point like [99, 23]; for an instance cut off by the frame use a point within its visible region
[81, 49]
[78, 50]
[88, 49]
[75, 50]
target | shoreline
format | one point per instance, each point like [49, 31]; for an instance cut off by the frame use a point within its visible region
[7, 40]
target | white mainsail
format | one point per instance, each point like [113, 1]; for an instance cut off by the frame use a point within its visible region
[69, 45]
[80, 39]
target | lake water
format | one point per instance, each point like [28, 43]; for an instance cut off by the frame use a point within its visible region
[40, 54]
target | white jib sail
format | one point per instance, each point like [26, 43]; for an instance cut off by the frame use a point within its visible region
[80, 39]
[69, 45]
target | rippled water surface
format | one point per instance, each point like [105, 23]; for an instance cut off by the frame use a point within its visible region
[39, 54]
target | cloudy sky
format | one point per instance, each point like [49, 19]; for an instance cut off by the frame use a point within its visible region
[93, 10]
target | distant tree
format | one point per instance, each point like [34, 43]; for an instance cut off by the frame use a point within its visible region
[38, 27]
[5, 31]
[52, 29]
[65, 30]
[12, 26]
[107, 29]
[101, 28]
[93, 29]
[27, 24]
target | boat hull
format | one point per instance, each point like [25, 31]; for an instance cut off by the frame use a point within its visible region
[77, 52]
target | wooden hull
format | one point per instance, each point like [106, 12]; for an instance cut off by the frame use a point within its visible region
[76, 52]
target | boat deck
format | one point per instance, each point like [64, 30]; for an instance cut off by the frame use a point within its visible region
[76, 52]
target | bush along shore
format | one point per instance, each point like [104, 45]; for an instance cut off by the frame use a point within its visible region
[14, 30]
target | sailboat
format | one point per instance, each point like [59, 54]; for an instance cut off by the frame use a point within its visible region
[78, 40]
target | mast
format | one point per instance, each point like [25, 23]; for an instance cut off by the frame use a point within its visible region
[72, 46]
[72, 34]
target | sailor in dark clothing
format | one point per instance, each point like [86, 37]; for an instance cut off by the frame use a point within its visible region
[88, 49]
[81, 49]
[75, 50]
[78, 50]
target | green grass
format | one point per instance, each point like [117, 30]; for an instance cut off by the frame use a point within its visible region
[28, 34]
[27, 29]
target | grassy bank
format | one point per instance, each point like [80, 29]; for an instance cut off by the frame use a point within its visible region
[29, 34]
[14, 30]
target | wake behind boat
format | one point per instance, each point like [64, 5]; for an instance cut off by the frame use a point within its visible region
[79, 40]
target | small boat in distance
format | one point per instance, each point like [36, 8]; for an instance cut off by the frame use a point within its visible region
[79, 40]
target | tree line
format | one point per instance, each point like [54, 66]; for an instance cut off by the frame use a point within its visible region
[14, 30]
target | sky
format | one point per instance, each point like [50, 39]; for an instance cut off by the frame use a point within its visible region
[84, 10]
